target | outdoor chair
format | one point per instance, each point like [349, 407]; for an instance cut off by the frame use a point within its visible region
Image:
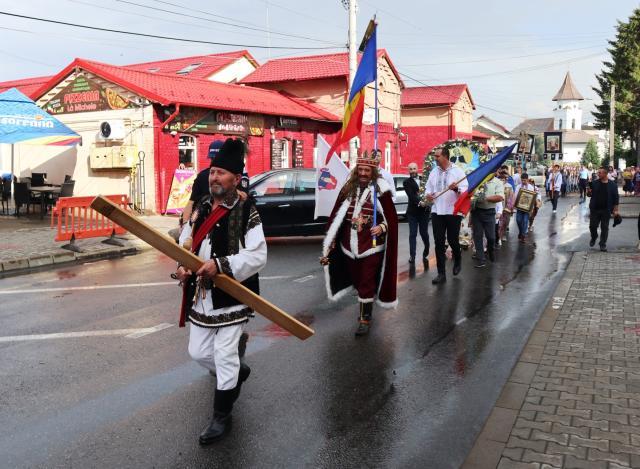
[21, 196]
[6, 194]
[67, 177]
[37, 179]
[66, 190]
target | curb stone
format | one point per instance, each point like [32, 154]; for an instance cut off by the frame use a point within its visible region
[27, 265]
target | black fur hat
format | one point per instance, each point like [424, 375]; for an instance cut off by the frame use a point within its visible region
[230, 156]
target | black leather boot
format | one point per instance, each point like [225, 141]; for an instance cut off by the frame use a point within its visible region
[366, 310]
[242, 344]
[221, 421]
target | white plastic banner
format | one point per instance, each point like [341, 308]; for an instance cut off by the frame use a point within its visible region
[330, 177]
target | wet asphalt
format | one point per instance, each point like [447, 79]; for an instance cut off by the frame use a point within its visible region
[414, 393]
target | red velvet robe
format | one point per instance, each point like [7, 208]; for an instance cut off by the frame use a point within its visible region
[358, 244]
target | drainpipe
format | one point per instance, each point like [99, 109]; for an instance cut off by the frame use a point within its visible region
[450, 130]
[171, 117]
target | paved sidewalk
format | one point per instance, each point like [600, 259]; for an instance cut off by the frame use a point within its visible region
[573, 398]
[28, 242]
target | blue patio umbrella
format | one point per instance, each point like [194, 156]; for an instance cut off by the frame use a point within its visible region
[22, 121]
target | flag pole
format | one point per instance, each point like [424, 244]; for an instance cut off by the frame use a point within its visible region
[375, 138]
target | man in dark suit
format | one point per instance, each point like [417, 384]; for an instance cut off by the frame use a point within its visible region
[604, 203]
[417, 216]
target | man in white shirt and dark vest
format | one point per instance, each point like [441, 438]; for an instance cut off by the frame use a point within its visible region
[444, 186]
[555, 186]
[226, 232]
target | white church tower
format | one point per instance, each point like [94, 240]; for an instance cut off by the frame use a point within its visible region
[567, 115]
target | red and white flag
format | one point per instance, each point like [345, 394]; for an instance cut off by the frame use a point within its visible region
[331, 174]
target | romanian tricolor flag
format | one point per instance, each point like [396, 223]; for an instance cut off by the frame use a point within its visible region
[476, 178]
[354, 109]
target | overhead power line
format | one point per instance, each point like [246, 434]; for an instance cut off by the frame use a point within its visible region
[450, 95]
[235, 25]
[155, 36]
[497, 59]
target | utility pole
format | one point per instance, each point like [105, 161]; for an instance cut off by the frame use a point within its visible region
[353, 66]
[612, 121]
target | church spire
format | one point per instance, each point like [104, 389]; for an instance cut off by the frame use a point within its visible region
[568, 91]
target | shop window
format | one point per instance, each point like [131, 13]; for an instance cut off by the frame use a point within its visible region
[387, 156]
[187, 152]
[286, 163]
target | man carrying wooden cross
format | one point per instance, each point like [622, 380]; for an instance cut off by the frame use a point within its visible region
[227, 232]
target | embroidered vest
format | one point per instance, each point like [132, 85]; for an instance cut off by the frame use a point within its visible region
[226, 238]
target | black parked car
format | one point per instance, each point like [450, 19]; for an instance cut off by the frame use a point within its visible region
[285, 199]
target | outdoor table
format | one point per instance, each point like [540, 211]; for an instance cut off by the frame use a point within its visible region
[44, 190]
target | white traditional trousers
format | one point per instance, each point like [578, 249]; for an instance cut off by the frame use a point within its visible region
[217, 350]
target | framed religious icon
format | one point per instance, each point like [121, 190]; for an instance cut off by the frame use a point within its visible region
[526, 143]
[553, 142]
[526, 200]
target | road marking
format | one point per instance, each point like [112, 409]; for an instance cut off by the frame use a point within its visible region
[150, 330]
[304, 279]
[123, 285]
[128, 333]
[91, 287]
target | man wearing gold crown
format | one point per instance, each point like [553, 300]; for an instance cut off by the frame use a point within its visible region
[358, 253]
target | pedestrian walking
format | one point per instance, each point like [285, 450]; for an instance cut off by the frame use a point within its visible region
[200, 186]
[445, 184]
[555, 186]
[522, 216]
[627, 178]
[582, 183]
[417, 216]
[603, 204]
[536, 207]
[507, 209]
[360, 249]
[483, 218]
[226, 232]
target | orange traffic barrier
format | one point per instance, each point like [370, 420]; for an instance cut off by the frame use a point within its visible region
[77, 220]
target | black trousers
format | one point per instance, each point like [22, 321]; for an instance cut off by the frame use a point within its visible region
[599, 217]
[419, 221]
[554, 199]
[484, 224]
[446, 226]
[582, 183]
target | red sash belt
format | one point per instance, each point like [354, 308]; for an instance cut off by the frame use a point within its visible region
[199, 236]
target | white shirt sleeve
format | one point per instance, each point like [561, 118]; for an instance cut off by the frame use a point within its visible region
[186, 233]
[464, 184]
[428, 187]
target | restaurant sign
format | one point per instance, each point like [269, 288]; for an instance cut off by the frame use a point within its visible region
[203, 121]
[85, 95]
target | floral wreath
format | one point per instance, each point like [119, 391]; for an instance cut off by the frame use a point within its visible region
[450, 145]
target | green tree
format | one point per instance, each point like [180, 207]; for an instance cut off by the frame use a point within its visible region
[590, 155]
[623, 70]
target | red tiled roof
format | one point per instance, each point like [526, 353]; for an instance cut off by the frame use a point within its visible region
[310, 67]
[173, 89]
[433, 95]
[26, 85]
[209, 64]
[478, 134]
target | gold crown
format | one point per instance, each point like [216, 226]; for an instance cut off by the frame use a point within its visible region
[367, 159]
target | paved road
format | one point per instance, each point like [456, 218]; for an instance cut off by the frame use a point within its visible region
[415, 393]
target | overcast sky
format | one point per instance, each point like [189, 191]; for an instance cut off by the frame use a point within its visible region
[513, 54]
